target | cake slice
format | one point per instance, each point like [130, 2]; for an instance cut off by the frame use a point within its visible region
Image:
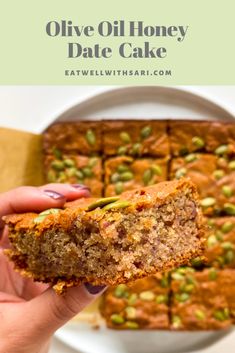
[75, 169]
[142, 304]
[125, 173]
[201, 300]
[111, 240]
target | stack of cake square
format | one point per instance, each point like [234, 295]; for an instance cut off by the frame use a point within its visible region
[109, 157]
[114, 156]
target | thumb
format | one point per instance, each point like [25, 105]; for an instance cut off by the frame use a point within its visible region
[49, 311]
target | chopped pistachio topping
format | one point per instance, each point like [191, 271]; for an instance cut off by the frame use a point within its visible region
[190, 158]
[156, 169]
[146, 132]
[227, 191]
[164, 282]
[123, 168]
[211, 222]
[136, 149]
[116, 205]
[92, 162]
[131, 325]
[130, 312]
[218, 174]
[229, 209]
[197, 261]
[51, 176]
[229, 257]
[117, 319]
[147, 296]
[121, 291]
[181, 270]
[162, 299]
[208, 202]
[87, 172]
[176, 321]
[191, 279]
[102, 202]
[90, 137]
[57, 165]
[222, 315]
[219, 235]
[115, 177]
[180, 173]
[119, 187]
[125, 137]
[62, 177]
[223, 149]
[219, 315]
[185, 269]
[182, 297]
[198, 142]
[50, 211]
[69, 162]
[220, 260]
[70, 172]
[187, 288]
[126, 176]
[122, 150]
[231, 165]
[129, 159]
[132, 299]
[178, 276]
[46, 213]
[39, 219]
[227, 245]
[227, 313]
[57, 153]
[147, 176]
[79, 174]
[200, 315]
[211, 240]
[227, 227]
[212, 274]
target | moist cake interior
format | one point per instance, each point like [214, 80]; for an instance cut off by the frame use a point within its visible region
[163, 236]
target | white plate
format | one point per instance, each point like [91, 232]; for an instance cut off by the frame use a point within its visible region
[80, 336]
[140, 103]
[144, 102]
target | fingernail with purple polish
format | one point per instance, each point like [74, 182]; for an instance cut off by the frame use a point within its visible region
[81, 187]
[94, 289]
[54, 195]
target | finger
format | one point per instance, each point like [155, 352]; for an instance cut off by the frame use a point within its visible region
[32, 289]
[27, 198]
[71, 191]
[4, 240]
[10, 298]
[50, 311]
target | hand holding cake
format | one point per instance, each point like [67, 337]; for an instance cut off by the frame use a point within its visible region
[31, 312]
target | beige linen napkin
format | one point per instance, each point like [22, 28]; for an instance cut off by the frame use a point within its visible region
[20, 159]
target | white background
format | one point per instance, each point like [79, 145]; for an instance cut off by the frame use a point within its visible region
[31, 107]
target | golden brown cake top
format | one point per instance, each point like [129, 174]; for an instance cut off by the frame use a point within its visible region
[94, 207]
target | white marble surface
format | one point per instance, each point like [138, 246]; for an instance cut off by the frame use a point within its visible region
[30, 107]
